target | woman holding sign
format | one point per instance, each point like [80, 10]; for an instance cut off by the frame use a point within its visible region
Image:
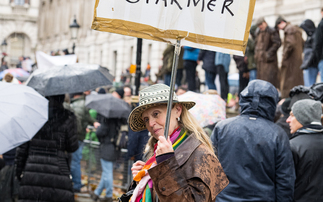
[181, 168]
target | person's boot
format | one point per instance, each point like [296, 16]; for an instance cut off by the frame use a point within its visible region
[106, 199]
[94, 197]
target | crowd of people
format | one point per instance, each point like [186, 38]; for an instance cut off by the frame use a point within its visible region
[271, 151]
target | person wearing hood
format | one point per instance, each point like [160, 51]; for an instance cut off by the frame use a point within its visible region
[42, 163]
[317, 59]
[290, 73]
[306, 145]
[310, 71]
[253, 151]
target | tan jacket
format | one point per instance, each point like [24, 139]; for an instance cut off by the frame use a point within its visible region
[193, 174]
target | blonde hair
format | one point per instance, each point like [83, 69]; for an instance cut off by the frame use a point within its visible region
[189, 123]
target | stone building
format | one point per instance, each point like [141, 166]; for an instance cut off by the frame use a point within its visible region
[117, 52]
[18, 26]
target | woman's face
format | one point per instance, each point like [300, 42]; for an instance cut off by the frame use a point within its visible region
[155, 119]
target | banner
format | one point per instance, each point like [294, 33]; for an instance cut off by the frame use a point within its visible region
[219, 25]
[45, 61]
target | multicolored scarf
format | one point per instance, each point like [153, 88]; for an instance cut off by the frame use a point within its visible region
[143, 191]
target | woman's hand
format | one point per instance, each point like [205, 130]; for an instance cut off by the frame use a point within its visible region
[136, 167]
[164, 146]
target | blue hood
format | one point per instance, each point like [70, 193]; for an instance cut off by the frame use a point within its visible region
[259, 98]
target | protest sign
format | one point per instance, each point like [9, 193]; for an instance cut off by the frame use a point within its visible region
[219, 25]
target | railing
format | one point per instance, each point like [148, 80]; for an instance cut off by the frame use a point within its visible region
[91, 167]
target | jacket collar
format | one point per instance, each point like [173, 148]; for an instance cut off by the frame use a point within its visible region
[309, 129]
[185, 150]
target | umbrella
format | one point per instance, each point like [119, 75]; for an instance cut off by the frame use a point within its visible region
[209, 108]
[23, 112]
[108, 106]
[72, 78]
[16, 72]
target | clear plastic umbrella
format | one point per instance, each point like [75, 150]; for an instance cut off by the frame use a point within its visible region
[73, 78]
[209, 108]
[23, 112]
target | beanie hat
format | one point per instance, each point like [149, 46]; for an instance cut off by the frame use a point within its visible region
[120, 92]
[307, 111]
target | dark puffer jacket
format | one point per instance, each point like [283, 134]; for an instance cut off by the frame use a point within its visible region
[253, 151]
[42, 165]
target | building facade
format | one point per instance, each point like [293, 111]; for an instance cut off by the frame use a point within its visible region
[118, 52]
[18, 27]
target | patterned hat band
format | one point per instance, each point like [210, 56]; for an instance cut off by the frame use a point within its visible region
[150, 97]
[155, 96]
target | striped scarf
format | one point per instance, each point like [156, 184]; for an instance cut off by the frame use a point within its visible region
[143, 191]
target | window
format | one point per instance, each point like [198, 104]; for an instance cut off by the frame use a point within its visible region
[19, 2]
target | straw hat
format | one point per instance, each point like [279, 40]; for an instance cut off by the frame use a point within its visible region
[150, 97]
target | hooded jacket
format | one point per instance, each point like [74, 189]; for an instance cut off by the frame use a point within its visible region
[253, 151]
[290, 73]
[309, 27]
[306, 146]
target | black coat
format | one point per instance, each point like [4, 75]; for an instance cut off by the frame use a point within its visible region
[318, 44]
[306, 145]
[42, 162]
[309, 27]
[208, 58]
[253, 151]
[107, 134]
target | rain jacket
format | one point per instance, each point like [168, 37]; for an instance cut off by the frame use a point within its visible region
[253, 151]
[190, 53]
[291, 73]
[306, 146]
[43, 161]
[266, 46]
[192, 174]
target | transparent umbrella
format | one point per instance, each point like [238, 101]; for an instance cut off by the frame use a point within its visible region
[208, 109]
[23, 112]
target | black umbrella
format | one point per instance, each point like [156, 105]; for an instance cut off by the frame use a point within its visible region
[108, 106]
[69, 79]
